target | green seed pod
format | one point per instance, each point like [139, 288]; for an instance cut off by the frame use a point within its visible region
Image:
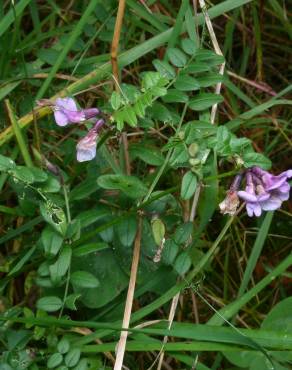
[158, 230]
[193, 149]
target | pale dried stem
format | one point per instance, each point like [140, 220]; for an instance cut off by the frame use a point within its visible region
[217, 50]
[121, 346]
[260, 86]
[173, 307]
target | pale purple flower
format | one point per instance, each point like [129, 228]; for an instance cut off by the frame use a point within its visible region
[264, 191]
[66, 111]
[86, 147]
[271, 182]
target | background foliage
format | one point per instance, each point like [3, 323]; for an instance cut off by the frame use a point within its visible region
[67, 238]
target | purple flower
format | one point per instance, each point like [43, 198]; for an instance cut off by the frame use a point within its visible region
[271, 182]
[86, 147]
[66, 112]
[264, 191]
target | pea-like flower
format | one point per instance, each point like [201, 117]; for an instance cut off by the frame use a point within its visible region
[86, 147]
[66, 111]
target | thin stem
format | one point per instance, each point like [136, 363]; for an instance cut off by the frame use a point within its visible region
[121, 347]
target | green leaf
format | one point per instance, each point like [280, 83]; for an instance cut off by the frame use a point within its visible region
[84, 279]
[115, 100]
[84, 189]
[130, 116]
[204, 101]
[208, 56]
[209, 80]
[188, 185]
[160, 112]
[185, 82]
[188, 46]
[55, 216]
[106, 268]
[89, 248]
[130, 185]
[82, 365]
[72, 357]
[175, 96]
[63, 346]
[60, 267]
[71, 301]
[182, 263]
[6, 163]
[164, 68]
[148, 154]
[49, 304]
[169, 252]
[153, 79]
[51, 241]
[183, 233]
[177, 57]
[54, 360]
[126, 230]
[51, 185]
[256, 159]
[197, 67]
[24, 174]
[38, 174]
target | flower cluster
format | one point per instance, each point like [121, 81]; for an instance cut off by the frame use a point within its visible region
[66, 113]
[263, 192]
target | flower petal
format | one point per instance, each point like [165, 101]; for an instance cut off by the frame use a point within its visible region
[247, 196]
[253, 209]
[74, 117]
[66, 103]
[85, 154]
[91, 112]
[271, 204]
[61, 118]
